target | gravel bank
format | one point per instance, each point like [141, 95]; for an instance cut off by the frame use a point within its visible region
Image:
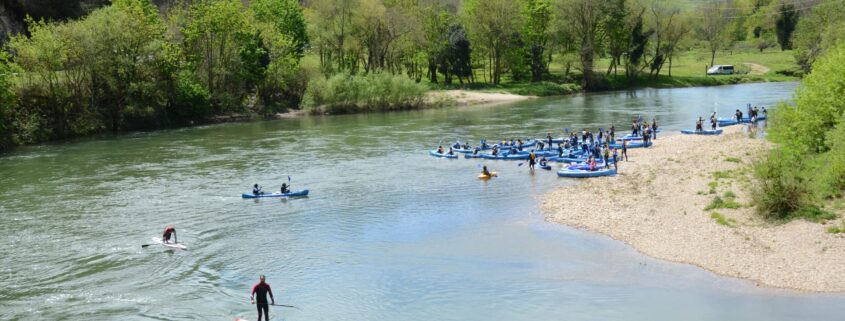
[656, 204]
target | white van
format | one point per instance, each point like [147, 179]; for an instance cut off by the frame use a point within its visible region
[721, 70]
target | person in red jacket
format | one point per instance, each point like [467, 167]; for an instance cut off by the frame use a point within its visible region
[168, 231]
[260, 291]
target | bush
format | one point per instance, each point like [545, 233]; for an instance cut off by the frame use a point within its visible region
[719, 202]
[722, 220]
[780, 190]
[344, 93]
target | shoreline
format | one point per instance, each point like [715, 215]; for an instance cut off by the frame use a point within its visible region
[671, 224]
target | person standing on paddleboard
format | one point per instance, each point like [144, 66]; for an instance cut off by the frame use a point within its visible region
[168, 231]
[260, 291]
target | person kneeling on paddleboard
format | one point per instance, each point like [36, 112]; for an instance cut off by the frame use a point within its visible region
[168, 231]
[260, 292]
[285, 188]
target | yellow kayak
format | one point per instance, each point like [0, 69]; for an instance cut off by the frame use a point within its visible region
[492, 174]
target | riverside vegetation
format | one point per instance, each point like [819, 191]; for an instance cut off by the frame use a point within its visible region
[131, 65]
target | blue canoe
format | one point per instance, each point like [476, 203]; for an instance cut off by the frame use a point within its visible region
[634, 144]
[567, 159]
[701, 132]
[472, 155]
[506, 157]
[585, 173]
[291, 194]
[730, 121]
[436, 154]
[585, 166]
[547, 167]
[463, 151]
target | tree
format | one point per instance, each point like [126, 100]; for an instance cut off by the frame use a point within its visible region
[287, 17]
[8, 101]
[636, 48]
[817, 31]
[785, 25]
[618, 33]
[491, 24]
[536, 16]
[711, 27]
[215, 32]
[583, 20]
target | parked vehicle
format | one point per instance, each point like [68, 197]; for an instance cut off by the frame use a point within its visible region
[721, 70]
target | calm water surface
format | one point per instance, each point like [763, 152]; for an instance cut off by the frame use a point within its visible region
[389, 233]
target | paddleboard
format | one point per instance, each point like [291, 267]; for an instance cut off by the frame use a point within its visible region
[177, 246]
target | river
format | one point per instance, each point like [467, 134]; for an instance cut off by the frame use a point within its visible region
[388, 232]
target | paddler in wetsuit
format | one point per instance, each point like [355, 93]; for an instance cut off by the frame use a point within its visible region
[259, 292]
[285, 188]
[168, 231]
[256, 190]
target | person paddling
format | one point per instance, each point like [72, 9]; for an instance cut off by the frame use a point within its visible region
[256, 190]
[285, 188]
[532, 159]
[440, 149]
[259, 292]
[168, 232]
[485, 172]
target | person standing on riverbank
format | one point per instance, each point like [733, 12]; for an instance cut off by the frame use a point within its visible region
[616, 158]
[259, 297]
[654, 128]
[625, 150]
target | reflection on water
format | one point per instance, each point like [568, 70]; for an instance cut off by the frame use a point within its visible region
[388, 232]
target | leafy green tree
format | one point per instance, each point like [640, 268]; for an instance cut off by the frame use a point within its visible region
[214, 34]
[492, 24]
[785, 25]
[536, 17]
[583, 21]
[287, 17]
[818, 31]
[8, 101]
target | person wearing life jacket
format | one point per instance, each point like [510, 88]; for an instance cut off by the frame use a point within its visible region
[168, 232]
[532, 159]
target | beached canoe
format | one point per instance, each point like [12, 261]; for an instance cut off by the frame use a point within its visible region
[567, 159]
[547, 167]
[577, 173]
[436, 154]
[701, 132]
[633, 144]
[505, 156]
[722, 122]
[291, 194]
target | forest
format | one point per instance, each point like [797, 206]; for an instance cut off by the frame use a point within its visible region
[138, 65]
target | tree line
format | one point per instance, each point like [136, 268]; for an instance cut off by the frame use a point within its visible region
[131, 65]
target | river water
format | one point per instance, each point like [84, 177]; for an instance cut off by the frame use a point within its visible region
[388, 232]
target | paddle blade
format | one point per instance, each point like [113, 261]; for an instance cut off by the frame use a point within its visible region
[520, 164]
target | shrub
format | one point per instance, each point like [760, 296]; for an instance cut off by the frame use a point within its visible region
[780, 190]
[344, 93]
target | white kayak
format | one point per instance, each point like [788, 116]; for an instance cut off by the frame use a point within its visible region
[177, 246]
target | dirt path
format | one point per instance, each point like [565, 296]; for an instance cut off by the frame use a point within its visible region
[757, 69]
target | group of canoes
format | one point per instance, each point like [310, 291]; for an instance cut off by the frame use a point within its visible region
[588, 154]
[754, 115]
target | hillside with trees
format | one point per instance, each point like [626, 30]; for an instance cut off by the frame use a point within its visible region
[139, 64]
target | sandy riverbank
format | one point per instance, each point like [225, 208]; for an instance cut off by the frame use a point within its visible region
[466, 97]
[656, 204]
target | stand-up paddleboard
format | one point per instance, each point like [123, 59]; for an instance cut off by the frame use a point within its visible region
[177, 246]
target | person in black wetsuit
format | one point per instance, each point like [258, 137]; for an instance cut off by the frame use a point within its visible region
[168, 231]
[285, 188]
[256, 190]
[259, 294]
